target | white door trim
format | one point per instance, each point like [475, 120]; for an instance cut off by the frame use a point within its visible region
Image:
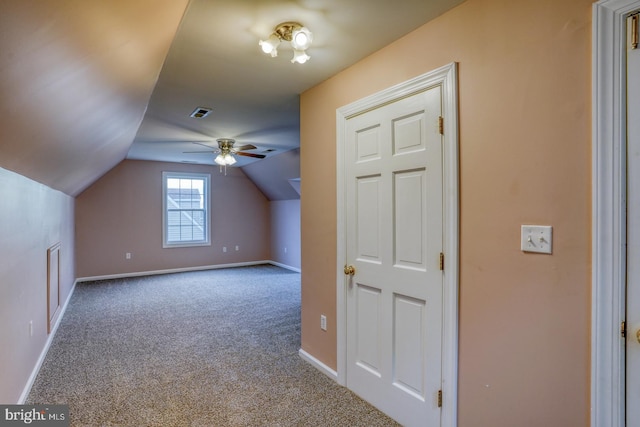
[447, 77]
[608, 212]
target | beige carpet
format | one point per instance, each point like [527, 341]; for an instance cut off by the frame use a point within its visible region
[208, 348]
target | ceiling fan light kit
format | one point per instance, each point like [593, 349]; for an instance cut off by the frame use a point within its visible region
[226, 152]
[225, 158]
[299, 36]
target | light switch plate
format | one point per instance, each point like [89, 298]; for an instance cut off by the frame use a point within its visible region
[536, 238]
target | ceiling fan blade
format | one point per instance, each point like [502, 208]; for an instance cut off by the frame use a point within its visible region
[204, 145]
[257, 156]
[207, 151]
[246, 147]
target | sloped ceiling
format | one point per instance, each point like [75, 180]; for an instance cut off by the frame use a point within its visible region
[273, 175]
[87, 83]
[76, 80]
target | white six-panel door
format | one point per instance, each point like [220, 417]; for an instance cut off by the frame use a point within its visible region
[394, 226]
[633, 236]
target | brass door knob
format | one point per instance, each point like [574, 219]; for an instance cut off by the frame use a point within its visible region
[349, 270]
[638, 335]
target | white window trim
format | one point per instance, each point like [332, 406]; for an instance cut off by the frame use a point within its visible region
[207, 193]
[608, 298]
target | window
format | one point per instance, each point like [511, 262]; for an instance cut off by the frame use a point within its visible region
[185, 209]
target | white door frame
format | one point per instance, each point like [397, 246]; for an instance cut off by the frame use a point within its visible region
[447, 77]
[608, 212]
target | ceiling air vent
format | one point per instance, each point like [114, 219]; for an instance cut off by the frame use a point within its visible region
[201, 112]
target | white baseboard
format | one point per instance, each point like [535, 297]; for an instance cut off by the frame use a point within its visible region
[318, 365]
[178, 270]
[288, 267]
[45, 350]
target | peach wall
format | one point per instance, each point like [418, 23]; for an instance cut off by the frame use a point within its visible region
[33, 217]
[524, 112]
[122, 212]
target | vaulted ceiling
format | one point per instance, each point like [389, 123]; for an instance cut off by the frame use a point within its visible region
[86, 84]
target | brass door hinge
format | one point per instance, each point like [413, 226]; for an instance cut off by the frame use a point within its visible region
[441, 261]
[623, 329]
[439, 398]
[441, 125]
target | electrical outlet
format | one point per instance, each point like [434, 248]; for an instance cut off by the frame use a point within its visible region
[285, 249]
[237, 248]
[323, 322]
[127, 255]
[224, 249]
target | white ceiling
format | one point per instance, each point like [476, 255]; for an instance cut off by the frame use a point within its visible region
[215, 61]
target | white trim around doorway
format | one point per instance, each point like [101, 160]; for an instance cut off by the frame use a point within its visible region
[608, 212]
[445, 76]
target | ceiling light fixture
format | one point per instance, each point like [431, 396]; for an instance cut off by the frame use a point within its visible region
[225, 157]
[300, 38]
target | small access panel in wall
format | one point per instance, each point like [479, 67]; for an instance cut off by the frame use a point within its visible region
[53, 286]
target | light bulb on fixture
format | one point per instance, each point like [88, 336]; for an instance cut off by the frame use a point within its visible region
[229, 159]
[300, 56]
[270, 45]
[220, 160]
[300, 38]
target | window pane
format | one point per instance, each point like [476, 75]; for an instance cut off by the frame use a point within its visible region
[173, 218]
[173, 233]
[198, 218]
[186, 233]
[186, 216]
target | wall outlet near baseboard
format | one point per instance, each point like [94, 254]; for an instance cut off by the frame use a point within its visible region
[237, 248]
[323, 322]
[127, 255]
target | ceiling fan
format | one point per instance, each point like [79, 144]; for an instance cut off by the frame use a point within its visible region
[226, 152]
